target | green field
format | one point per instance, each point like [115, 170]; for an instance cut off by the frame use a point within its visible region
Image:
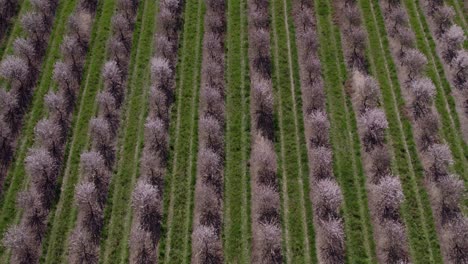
[297, 219]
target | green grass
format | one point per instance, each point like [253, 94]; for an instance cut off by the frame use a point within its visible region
[451, 132]
[416, 210]
[55, 241]
[175, 244]
[360, 245]
[461, 16]
[16, 179]
[30, 119]
[118, 211]
[14, 29]
[299, 238]
[460, 7]
[237, 224]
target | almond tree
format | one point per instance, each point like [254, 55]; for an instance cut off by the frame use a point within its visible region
[373, 124]
[453, 40]
[22, 245]
[415, 63]
[443, 16]
[8, 8]
[35, 26]
[42, 168]
[48, 134]
[81, 250]
[63, 75]
[144, 197]
[25, 50]
[461, 70]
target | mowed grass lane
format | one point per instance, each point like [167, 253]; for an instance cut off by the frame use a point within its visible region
[461, 15]
[16, 179]
[66, 212]
[115, 237]
[445, 104]
[237, 224]
[55, 241]
[14, 28]
[298, 236]
[360, 247]
[461, 8]
[175, 246]
[416, 209]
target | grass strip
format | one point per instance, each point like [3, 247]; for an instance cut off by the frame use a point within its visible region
[345, 141]
[16, 179]
[416, 208]
[451, 131]
[237, 225]
[461, 17]
[118, 213]
[179, 184]
[291, 143]
[42, 87]
[14, 30]
[55, 242]
[136, 33]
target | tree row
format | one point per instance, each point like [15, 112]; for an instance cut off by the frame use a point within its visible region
[20, 72]
[266, 217]
[445, 189]
[385, 195]
[45, 159]
[325, 193]
[147, 198]
[96, 165]
[209, 189]
[8, 9]
[450, 39]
